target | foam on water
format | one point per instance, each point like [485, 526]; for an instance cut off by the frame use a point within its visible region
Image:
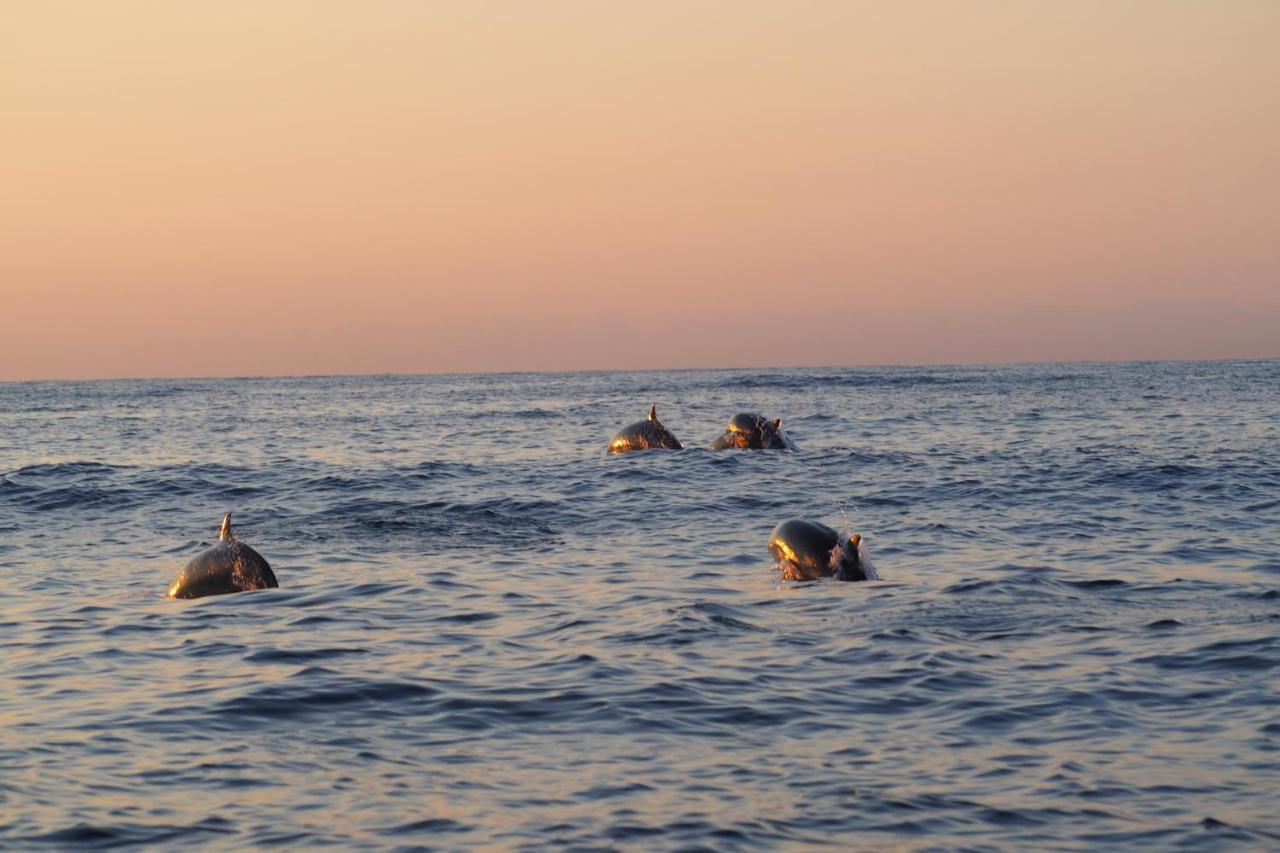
[489, 633]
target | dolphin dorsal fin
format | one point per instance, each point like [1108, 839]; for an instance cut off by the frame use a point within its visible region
[225, 533]
[653, 412]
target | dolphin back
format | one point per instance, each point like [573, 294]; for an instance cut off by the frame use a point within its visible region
[806, 550]
[229, 566]
[648, 434]
[755, 432]
[803, 549]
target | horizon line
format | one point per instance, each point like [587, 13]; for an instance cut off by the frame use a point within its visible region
[449, 373]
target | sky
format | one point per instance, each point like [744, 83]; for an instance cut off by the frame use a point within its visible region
[320, 187]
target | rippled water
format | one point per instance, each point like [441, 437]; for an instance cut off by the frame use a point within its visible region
[490, 633]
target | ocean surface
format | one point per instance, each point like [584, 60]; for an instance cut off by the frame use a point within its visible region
[489, 633]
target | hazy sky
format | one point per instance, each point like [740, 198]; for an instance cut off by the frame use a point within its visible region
[230, 188]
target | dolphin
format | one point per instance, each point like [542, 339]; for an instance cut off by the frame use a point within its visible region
[747, 429]
[807, 550]
[645, 435]
[229, 566]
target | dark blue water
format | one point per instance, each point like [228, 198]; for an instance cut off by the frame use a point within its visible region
[489, 633]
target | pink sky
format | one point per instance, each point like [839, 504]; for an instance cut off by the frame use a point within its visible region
[232, 188]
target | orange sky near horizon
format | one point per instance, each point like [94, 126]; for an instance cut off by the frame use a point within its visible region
[236, 188]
